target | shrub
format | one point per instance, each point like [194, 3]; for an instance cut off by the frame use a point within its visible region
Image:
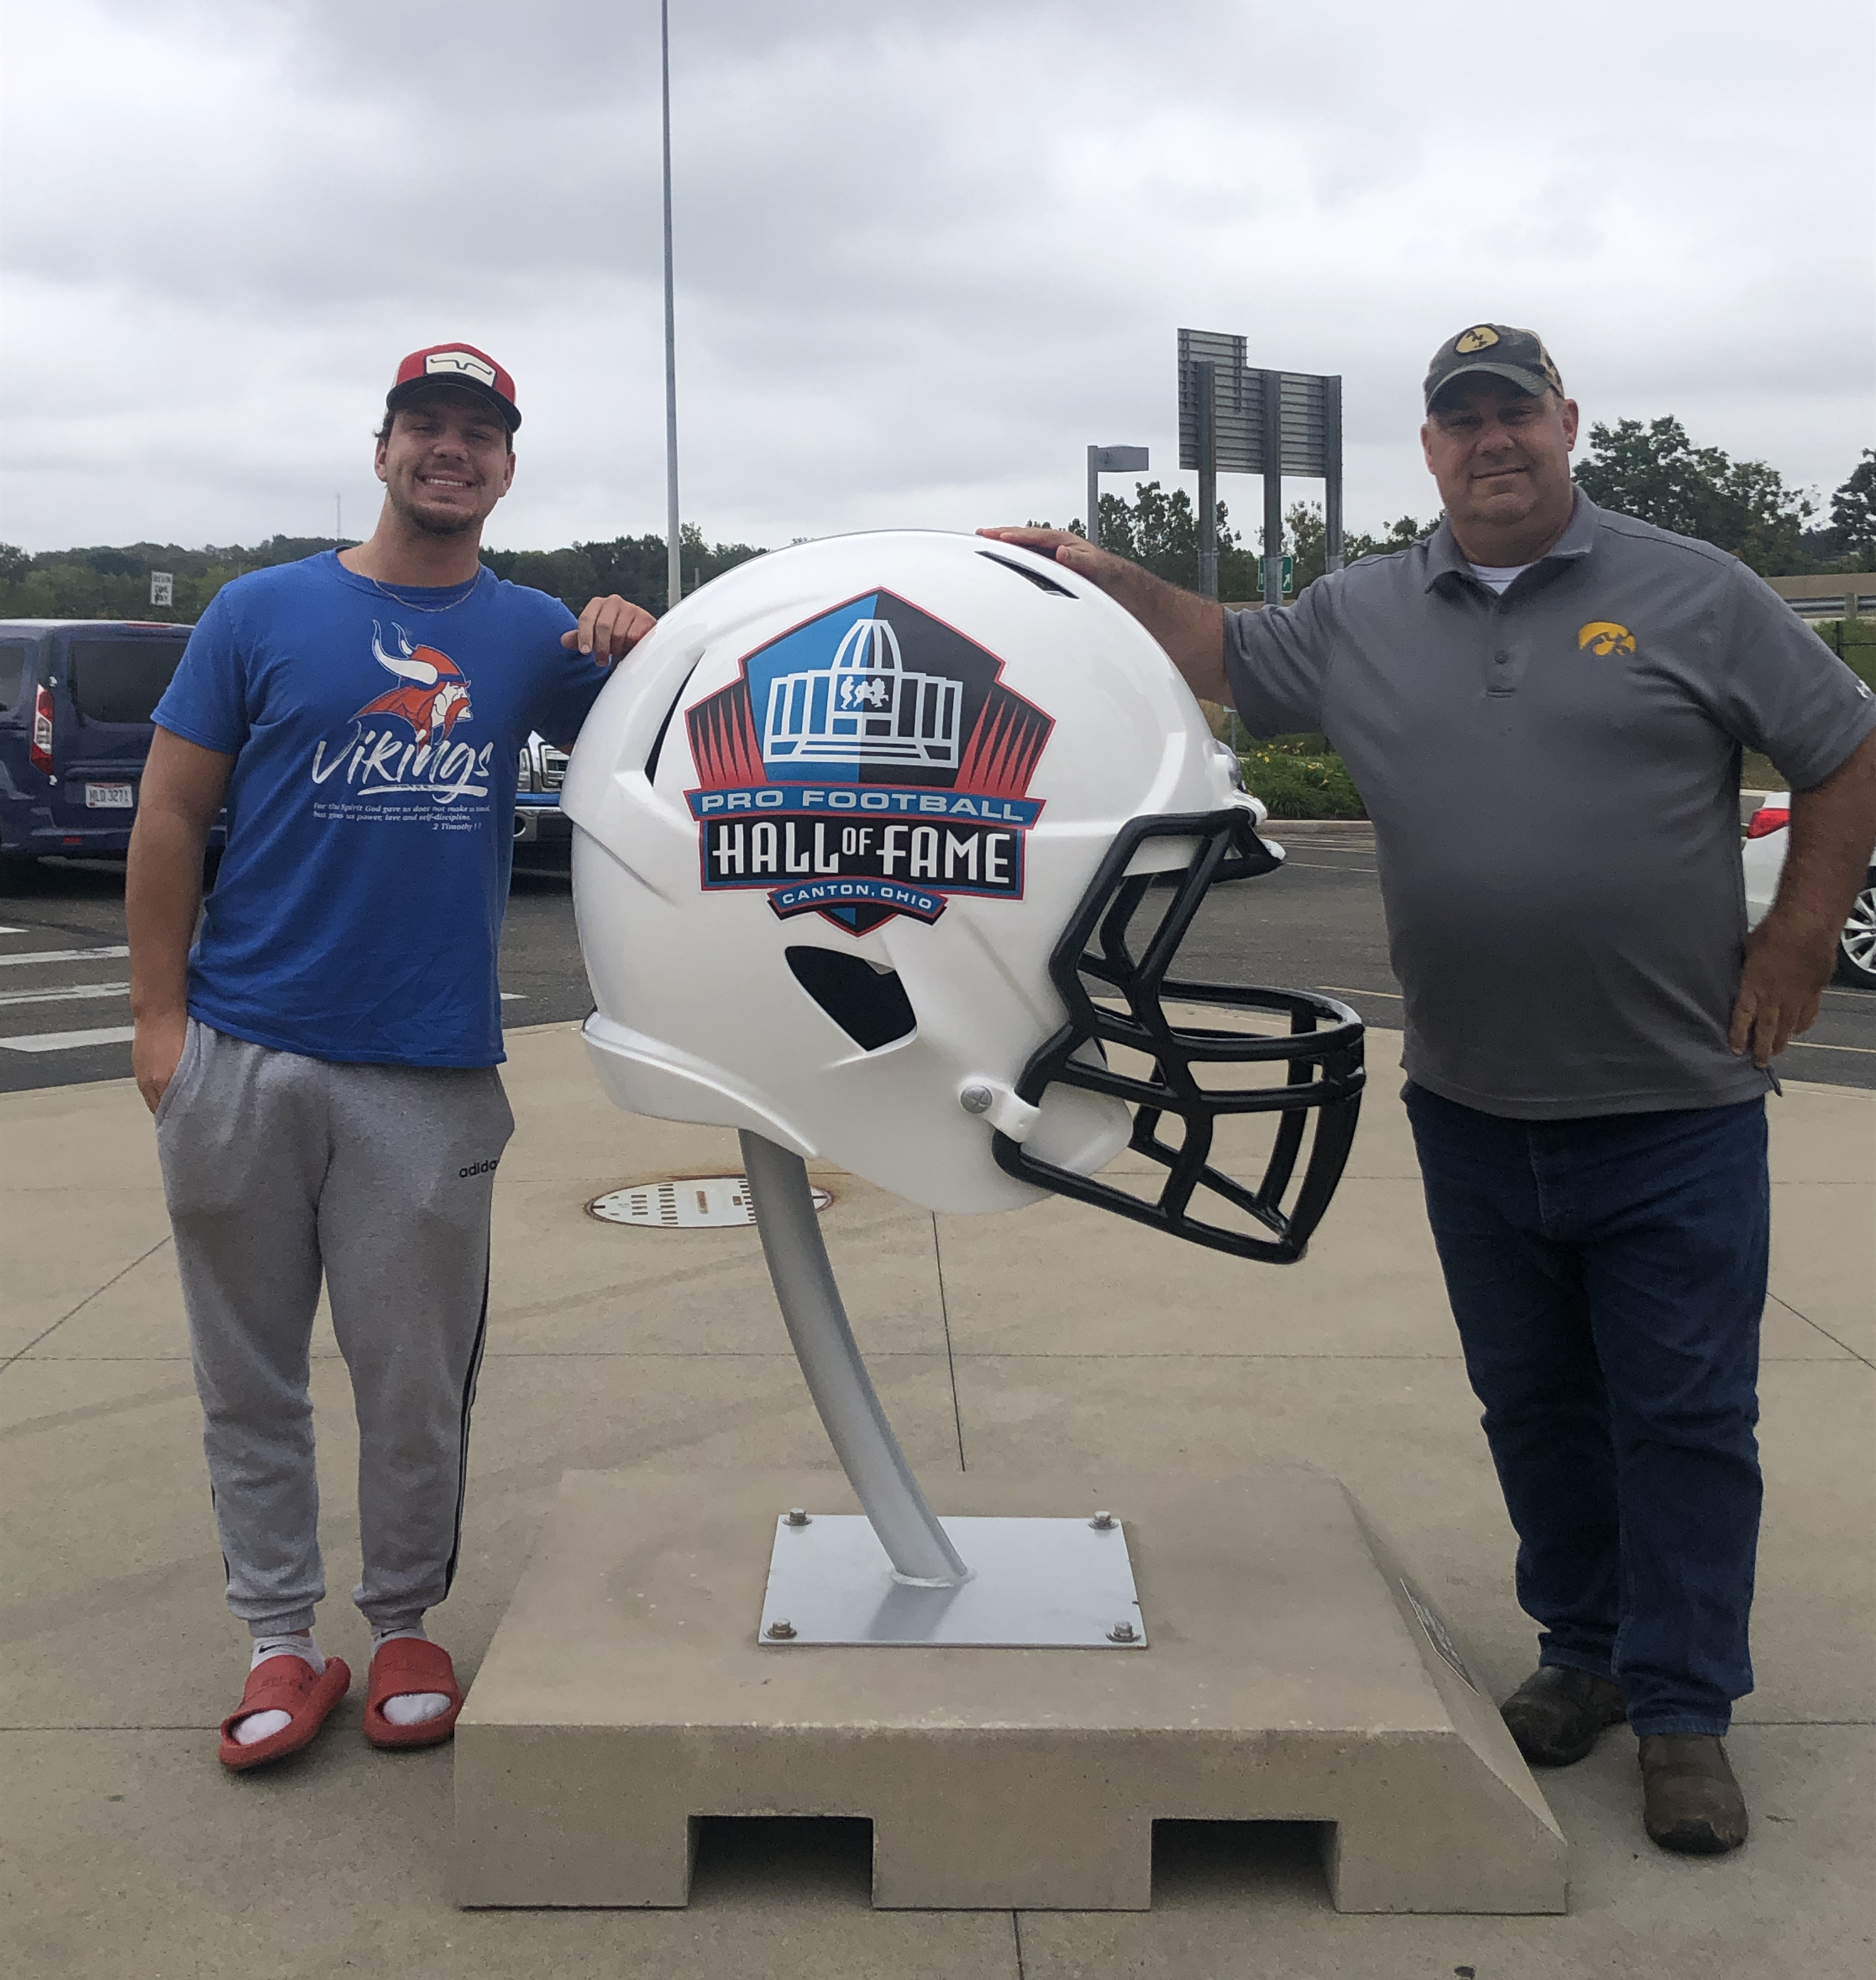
[1853, 642]
[1301, 781]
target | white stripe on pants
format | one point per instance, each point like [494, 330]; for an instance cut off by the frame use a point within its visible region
[279, 1168]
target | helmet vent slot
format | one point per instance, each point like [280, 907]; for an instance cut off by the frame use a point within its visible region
[869, 1005]
[658, 741]
[1035, 577]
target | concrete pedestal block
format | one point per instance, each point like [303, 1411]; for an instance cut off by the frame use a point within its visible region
[1297, 1672]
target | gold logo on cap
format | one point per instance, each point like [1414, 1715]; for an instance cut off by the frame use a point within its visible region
[1481, 336]
[1604, 635]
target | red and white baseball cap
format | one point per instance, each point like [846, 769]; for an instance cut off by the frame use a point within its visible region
[460, 364]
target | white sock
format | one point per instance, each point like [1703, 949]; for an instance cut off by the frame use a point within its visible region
[412, 1707]
[259, 1726]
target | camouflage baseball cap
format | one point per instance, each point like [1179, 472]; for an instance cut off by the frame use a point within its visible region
[1518, 355]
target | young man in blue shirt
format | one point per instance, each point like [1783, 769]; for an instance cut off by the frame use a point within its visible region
[322, 1064]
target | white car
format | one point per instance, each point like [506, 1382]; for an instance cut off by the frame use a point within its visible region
[1763, 857]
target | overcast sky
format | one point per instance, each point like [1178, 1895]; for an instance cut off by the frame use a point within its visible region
[926, 253]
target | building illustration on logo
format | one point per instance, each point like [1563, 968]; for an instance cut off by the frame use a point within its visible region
[434, 696]
[868, 708]
[868, 763]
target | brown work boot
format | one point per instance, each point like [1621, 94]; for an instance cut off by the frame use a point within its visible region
[1690, 1801]
[1557, 1714]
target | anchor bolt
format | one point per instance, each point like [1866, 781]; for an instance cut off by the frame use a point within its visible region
[1121, 1632]
[796, 1516]
[783, 1631]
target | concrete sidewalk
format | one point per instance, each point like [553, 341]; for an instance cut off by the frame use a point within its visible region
[1054, 1338]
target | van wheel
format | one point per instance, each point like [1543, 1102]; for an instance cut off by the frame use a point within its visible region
[1856, 947]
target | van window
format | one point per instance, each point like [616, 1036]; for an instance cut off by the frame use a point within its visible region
[12, 671]
[120, 680]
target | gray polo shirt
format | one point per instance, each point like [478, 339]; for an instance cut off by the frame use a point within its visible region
[1553, 775]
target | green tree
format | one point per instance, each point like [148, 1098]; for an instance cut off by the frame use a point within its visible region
[1160, 530]
[112, 581]
[1656, 473]
[633, 567]
[1853, 515]
[1305, 537]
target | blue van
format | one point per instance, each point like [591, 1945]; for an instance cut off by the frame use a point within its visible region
[76, 696]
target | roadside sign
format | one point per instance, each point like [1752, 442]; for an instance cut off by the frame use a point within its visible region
[1235, 419]
[1289, 573]
[1239, 394]
[162, 587]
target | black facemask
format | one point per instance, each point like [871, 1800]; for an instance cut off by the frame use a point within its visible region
[1322, 1052]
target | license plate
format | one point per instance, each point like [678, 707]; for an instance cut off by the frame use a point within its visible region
[109, 797]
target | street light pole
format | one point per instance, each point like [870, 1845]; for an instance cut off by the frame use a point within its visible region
[1108, 460]
[674, 565]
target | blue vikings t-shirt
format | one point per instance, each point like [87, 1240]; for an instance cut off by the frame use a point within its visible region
[370, 812]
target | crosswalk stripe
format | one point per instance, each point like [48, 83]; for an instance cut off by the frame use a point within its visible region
[45, 1041]
[63, 955]
[72, 996]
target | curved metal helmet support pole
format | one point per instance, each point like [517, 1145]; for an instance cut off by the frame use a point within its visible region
[857, 1427]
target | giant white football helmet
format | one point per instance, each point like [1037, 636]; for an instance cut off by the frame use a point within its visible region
[861, 831]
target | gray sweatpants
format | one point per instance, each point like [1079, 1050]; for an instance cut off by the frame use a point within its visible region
[277, 1168]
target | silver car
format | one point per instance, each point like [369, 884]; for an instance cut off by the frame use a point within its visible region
[1768, 835]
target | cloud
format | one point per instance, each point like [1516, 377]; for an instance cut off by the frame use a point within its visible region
[925, 255]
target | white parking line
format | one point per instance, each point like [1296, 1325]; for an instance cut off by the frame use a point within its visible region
[8, 931]
[1344, 990]
[46, 1042]
[1806, 1044]
[71, 996]
[65, 956]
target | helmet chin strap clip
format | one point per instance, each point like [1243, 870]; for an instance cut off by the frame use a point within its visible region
[998, 1105]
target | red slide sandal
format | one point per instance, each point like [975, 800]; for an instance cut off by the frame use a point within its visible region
[404, 1665]
[284, 1684]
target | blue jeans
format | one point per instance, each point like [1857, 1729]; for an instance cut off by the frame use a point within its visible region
[1608, 1275]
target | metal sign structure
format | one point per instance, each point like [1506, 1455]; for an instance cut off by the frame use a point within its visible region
[1225, 421]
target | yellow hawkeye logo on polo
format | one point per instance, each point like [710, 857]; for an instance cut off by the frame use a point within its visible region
[1604, 635]
[1481, 336]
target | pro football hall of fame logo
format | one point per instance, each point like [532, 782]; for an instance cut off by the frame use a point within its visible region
[868, 763]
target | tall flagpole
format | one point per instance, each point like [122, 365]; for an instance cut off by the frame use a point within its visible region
[674, 559]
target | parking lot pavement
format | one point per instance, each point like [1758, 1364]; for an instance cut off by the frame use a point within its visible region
[1054, 1338]
[64, 977]
[1317, 924]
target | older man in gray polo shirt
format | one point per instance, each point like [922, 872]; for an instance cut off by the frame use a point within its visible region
[1543, 706]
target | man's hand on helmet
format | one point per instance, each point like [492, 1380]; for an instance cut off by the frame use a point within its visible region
[609, 628]
[1190, 629]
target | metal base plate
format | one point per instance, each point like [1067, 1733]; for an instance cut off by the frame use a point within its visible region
[1061, 1583]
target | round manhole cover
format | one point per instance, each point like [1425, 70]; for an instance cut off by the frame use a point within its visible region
[685, 1203]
